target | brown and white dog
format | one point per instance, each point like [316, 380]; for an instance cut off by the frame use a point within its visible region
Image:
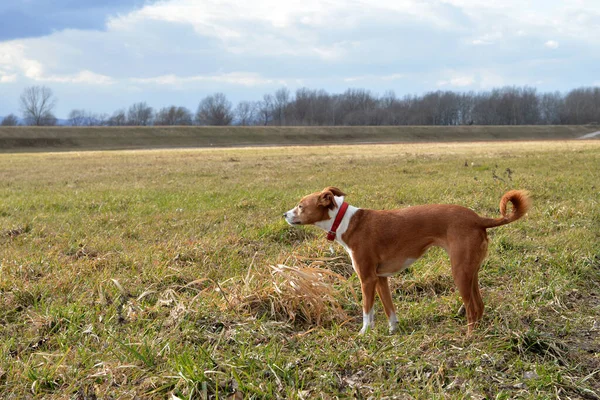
[382, 243]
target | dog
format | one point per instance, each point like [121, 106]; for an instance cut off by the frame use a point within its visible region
[382, 243]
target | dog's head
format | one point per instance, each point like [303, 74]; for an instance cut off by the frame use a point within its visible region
[314, 208]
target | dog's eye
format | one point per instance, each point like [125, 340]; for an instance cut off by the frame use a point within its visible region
[300, 206]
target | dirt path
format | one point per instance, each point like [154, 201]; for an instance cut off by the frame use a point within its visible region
[590, 135]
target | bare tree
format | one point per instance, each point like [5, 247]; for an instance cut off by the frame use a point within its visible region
[37, 103]
[303, 106]
[118, 118]
[101, 119]
[78, 117]
[551, 107]
[356, 106]
[582, 106]
[465, 108]
[10, 120]
[140, 114]
[282, 99]
[214, 110]
[87, 118]
[265, 109]
[324, 108]
[245, 113]
[173, 116]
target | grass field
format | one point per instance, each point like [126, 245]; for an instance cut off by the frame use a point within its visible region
[171, 273]
[28, 138]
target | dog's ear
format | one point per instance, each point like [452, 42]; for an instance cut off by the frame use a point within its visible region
[335, 191]
[327, 197]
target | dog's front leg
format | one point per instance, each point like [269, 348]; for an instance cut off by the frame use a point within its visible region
[383, 290]
[368, 284]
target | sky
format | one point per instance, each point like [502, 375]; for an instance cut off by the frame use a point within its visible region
[102, 55]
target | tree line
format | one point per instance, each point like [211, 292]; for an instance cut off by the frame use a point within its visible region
[509, 105]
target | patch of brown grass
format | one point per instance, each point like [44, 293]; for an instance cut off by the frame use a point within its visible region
[295, 293]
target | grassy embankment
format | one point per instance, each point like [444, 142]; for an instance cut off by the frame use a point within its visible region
[107, 138]
[149, 273]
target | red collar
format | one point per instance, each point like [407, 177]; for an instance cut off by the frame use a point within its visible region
[337, 222]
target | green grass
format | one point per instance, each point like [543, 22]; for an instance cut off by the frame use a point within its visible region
[30, 138]
[147, 274]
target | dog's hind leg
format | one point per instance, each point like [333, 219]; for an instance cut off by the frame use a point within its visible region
[466, 258]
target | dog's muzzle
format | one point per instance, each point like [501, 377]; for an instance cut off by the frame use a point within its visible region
[290, 218]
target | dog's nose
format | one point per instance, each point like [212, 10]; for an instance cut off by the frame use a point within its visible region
[284, 215]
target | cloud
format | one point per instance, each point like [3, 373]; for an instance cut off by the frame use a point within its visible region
[459, 81]
[551, 44]
[518, 21]
[5, 78]
[487, 39]
[14, 60]
[234, 78]
[83, 77]
[370, 77]
[264, 27]
[296, 28]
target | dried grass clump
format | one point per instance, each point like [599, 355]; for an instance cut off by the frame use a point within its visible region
[307, 292]
[299, 294]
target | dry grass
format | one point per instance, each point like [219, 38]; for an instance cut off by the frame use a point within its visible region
[156, 274]
[308, 295]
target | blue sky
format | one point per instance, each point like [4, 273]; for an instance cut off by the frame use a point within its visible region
[34, 18]
[105, 55]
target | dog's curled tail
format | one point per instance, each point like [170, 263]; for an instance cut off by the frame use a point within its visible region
[520, 201]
